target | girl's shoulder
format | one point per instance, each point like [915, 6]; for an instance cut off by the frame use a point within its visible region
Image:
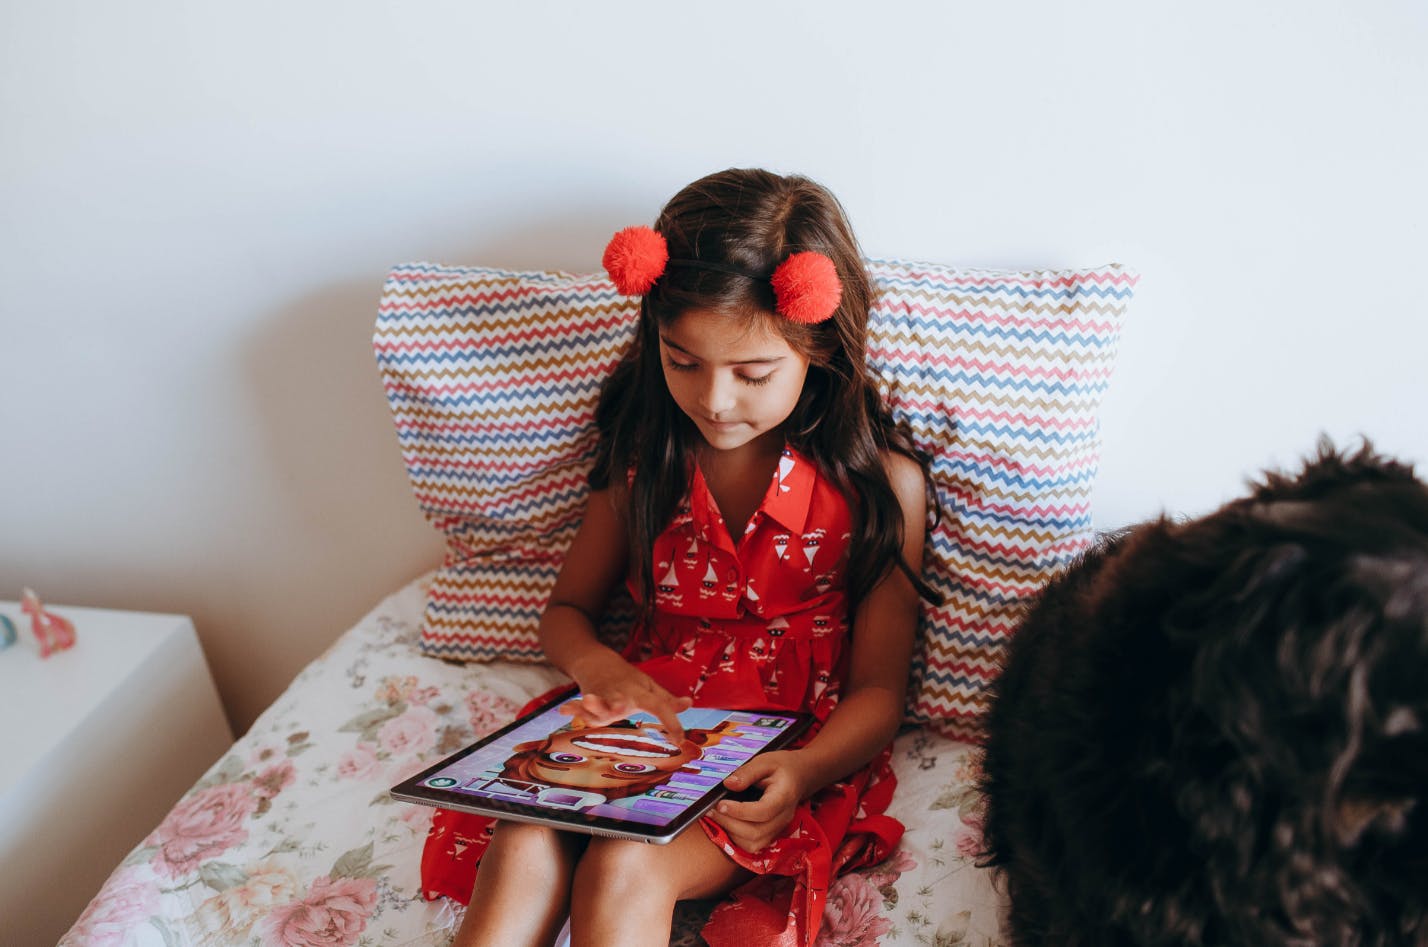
[904, 476]
[903, 473]
[908, 482]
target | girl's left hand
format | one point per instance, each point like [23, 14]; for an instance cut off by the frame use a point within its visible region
[753, 825]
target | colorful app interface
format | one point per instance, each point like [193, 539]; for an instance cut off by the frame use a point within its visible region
[632, 771]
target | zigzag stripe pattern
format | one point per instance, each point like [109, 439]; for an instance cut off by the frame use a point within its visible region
[1000, 376]
[493, 375]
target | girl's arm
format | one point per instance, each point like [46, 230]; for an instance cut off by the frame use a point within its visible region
[611, 688]
[870, 710]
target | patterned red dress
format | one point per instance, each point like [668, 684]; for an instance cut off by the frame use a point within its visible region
[760, 624]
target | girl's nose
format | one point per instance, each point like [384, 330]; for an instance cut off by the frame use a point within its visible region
[718, 396]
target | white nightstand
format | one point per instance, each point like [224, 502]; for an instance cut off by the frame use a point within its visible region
[96, 744]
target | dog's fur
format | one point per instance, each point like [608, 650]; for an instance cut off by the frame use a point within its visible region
[1216, 731]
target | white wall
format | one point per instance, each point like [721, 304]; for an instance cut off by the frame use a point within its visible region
[198, 203]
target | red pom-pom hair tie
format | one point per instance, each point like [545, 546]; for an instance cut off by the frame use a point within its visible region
[635, 258]
[806, 287]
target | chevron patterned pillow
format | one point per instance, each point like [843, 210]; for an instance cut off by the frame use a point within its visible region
[493, 377]
[1000, 375]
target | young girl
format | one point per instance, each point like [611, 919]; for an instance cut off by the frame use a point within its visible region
[769, 516]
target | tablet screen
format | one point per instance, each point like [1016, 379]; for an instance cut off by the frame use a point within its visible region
[630, 775]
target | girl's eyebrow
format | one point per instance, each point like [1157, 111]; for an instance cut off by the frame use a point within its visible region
[747, 361]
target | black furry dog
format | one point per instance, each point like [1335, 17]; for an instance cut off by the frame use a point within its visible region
[1216, 731]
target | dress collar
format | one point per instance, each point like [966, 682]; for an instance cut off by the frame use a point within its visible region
[785, 501]
[791, 491]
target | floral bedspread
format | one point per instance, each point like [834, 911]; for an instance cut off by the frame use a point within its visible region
[291, 838]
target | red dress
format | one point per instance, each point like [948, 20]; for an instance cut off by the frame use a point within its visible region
[760, 624]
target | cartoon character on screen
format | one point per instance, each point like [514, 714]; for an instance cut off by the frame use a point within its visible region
[616, 761]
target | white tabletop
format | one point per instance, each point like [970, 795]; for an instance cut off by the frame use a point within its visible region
[43, 699]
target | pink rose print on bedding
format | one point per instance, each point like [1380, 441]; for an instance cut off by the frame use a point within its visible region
[487, 711]
[396, 690]
[226, 916]
[129, 898]
[403, 769]
[201, 826]
[901, 862]
[274, 779]
[333, 914]
[411, 732]
[417, 819]
[360, 762]
[853, 915]
[968, 843]
[969, 840]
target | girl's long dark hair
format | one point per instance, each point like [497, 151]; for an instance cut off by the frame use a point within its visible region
[752, 220]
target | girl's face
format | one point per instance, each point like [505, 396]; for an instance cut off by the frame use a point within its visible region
[736, 380]
[609, 758]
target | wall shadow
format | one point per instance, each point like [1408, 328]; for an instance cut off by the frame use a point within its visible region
[351, 532]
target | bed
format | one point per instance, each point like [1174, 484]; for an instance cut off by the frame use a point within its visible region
[291, 837]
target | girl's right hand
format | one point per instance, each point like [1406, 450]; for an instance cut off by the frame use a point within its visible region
[612, 688]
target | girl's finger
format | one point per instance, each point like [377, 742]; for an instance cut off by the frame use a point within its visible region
[667, 711]
[747, 812]
[776, 798]
[751, 773]
[758, 811]
[736, 827]
[597, 712]
[577, 709]
[593, 710]
[749, 836]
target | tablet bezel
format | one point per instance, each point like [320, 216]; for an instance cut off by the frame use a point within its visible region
[412, 790]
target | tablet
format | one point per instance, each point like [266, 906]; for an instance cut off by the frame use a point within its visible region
[628, 780]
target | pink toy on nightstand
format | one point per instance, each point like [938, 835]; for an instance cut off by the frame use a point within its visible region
[53, 632]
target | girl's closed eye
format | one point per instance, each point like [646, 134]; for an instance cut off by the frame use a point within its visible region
[691, 366]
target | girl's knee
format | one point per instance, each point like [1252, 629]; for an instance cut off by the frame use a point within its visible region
[523, 833]
[524, 840]
[625, 871]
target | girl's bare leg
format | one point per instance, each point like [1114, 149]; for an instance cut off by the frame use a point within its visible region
[624, 892]
[522, 893]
